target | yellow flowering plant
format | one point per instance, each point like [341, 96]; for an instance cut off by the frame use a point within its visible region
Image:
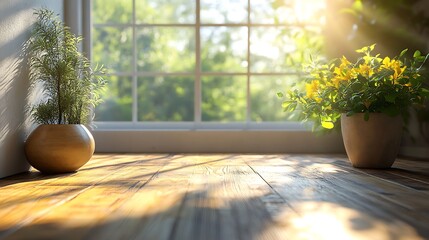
[372, 84]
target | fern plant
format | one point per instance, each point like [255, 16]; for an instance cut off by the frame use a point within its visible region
[71, 88]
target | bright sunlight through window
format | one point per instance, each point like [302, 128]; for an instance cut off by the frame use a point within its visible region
[203, 61]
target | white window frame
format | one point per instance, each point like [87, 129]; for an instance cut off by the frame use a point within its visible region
[199, 136]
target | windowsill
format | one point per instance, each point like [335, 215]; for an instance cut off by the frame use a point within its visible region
[291, 137]
[204, 126]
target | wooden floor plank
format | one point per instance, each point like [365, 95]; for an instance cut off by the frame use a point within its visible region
[218, 196]
[312, 185]
[402, 172]
[227, 202]
[150, 212]
[70, 196]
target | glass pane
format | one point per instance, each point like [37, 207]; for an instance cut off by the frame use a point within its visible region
[117, 100]
[266, 106]
[112, 11]
[223, 11]
[165, 11]
[166, 49]
[224, 98]
[310, 11]
[293, 11]
[112, 47]
[224, 49]
[280, 49]
[166, 99]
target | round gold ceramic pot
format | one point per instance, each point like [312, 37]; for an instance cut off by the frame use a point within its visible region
[59, 148]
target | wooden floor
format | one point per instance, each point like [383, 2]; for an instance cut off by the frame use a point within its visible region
[120, 196]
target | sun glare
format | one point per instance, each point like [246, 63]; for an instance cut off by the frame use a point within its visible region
[310, 11]
[324, 220]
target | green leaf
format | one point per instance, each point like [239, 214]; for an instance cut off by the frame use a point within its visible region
[362, 78]
[356, 86]
[292, 106]
[424, 92]
[390, 98]
[417, 54]
[289, 105]
[403, 52]
[414, 81]
[349, 113]
[327, 125]
[280, 95]
[366, 116]
[285, 104]
[362, 50]
[391, 111]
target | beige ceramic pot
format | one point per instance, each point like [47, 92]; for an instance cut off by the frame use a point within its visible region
[373, 143]
[59, 148]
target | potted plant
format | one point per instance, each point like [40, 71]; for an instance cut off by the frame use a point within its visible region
[372, 21]
[70, 89]
[368, 98]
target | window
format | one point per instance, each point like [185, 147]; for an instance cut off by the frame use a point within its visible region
[203, 62]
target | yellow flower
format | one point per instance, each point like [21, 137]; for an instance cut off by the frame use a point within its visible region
[394, 65]
[336, 81]
[312, 89]
[344, 62]
[386, 62]
[398, 72]
[338, 71]
[344, 72]
[365, 70]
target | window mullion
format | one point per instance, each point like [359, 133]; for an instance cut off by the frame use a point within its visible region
[248, 97]
[197, 85]
[134, 63]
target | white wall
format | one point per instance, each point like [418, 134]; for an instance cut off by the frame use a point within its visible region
[16, 19]
[416, 142]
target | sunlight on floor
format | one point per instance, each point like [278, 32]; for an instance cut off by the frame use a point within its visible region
[325, 168]
[323, 220]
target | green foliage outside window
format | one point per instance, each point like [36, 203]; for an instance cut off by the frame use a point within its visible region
[172, 49]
